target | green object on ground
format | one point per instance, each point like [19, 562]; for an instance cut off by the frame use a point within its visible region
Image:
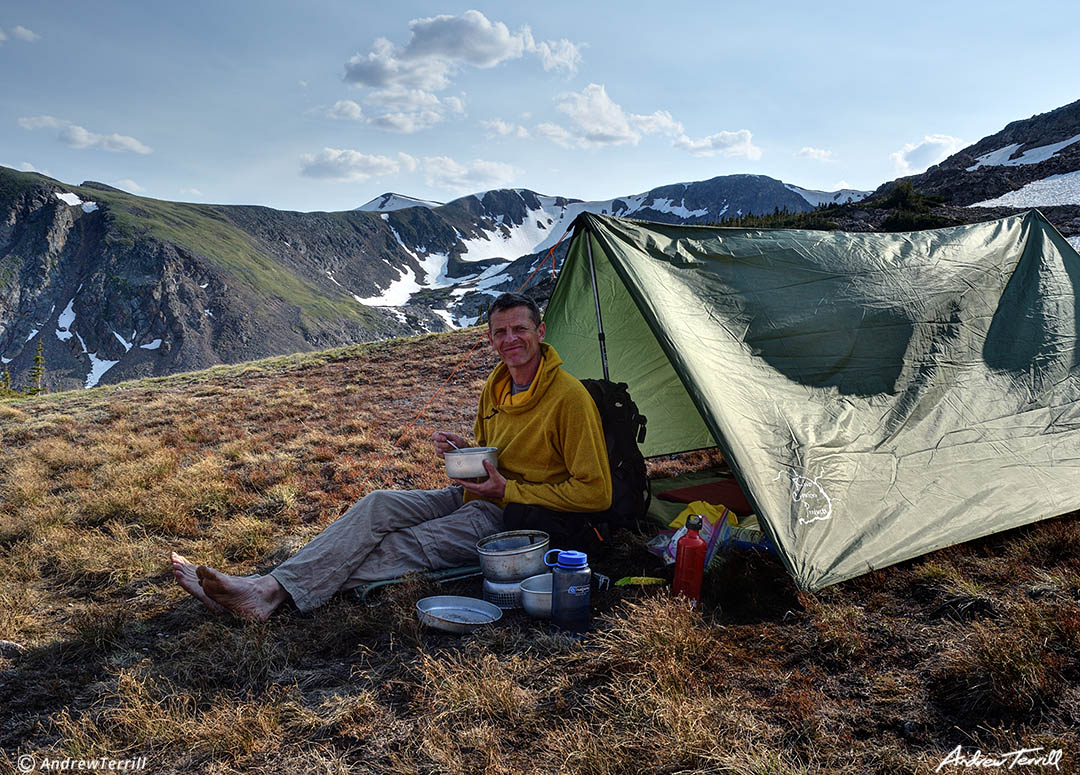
[878, 396]
[437, 576]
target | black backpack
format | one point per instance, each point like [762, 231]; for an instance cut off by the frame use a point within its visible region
[624, 429]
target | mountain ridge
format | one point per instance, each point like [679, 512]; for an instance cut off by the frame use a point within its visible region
[970, 175]
[98, 274]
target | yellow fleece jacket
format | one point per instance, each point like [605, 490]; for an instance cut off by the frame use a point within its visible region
[550, 439]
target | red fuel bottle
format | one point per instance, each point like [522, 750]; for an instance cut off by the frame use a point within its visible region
[689, 561]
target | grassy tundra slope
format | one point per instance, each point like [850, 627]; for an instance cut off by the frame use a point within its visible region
[236, 466]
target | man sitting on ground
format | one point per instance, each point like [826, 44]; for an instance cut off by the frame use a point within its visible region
[552, 465]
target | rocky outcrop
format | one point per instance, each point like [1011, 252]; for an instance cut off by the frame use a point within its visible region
[111, 297]
[962, 180]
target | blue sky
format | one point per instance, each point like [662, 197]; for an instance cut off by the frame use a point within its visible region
[325, 105]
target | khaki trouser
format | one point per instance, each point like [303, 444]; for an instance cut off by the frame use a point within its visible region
[385, 534]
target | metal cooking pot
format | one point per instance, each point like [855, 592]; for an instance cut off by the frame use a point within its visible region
[513, 555]
[536, 595]
[468, 462]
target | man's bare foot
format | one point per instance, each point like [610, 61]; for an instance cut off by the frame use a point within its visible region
[253, 597]
[184, 572]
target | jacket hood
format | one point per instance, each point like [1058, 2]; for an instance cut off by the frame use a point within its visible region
[498, 383]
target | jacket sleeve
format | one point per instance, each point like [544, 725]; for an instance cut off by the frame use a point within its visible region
[584, 450]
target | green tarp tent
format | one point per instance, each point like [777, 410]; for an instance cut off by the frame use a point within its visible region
[878, 396]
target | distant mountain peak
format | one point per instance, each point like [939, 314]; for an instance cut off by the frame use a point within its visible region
[818, 198]
[388, 202]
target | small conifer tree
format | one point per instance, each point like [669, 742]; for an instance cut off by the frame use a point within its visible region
[5, 383]
[37, 371]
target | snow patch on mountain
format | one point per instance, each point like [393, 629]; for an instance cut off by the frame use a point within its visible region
[433, 267]
[126, 344]
[390, 201]
[1000, 157]
[73, 200]
[542, 227]
[819, 198]
[98, 366]
[1074, 241]
[1055, 190]
[446, 318]
[63, 323]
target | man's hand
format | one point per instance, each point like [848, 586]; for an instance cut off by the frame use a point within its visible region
[442, 442]
[493, 487]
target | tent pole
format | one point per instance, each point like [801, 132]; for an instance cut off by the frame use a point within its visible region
[596, 301]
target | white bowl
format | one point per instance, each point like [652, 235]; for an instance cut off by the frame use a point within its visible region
[468, 463]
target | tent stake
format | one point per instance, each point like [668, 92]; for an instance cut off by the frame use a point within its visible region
[596, 301]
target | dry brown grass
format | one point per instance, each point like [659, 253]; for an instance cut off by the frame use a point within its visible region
[238, 466]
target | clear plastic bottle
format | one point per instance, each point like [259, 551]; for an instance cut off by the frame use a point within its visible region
[571, 580]
[690, 562]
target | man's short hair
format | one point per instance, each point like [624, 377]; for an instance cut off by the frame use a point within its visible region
[511, 300]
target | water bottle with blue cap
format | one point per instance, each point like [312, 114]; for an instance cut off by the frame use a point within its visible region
[571, 579]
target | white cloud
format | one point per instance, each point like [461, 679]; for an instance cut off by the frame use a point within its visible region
[346, 110]
[454, 105]
[555, 55]
[410, 100]
[345, 165]
[22, 33]
[127, 184]
[557, 134]
[817, 154]
[410, 163]
[500, 128]
[303, 84]
[470, 38]
[439, 47]
[659, 122]
[597, 119]
[840, 185]
[384, 67]
[407, 123]
[76, 136]
[411, 110]
[40, 122]
[726, 143]
[191, 192]
[477, 175]
[914, 158]
[3, 36]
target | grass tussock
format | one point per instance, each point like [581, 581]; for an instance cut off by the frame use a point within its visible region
[238, 466]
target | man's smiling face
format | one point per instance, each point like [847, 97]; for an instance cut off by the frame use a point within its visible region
[515, 338]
